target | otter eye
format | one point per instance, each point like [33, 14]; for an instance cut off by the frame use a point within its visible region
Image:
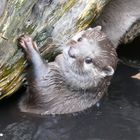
[79, 39]
[88, 60]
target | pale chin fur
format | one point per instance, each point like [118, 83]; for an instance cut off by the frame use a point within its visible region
[86, 77]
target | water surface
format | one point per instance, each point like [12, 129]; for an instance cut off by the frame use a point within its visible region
[117, 117]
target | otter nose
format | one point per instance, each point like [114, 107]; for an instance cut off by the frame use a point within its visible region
[72, 52]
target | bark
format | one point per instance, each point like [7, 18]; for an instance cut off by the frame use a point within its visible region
[49, 22]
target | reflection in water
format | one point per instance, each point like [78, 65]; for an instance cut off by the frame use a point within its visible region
[117, 117]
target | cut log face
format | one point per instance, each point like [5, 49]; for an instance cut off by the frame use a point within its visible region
[132, 33]
[50, 22]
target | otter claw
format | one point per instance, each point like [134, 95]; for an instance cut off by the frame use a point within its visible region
[27, 43]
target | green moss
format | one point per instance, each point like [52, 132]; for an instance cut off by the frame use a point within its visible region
[12, 78]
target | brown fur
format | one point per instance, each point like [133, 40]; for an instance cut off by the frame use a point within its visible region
[75, 81]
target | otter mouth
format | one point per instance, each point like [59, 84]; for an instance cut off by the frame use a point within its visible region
[70, 53]
[70, 62]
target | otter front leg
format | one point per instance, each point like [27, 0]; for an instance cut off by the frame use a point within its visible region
[33, 100]
[38, 66]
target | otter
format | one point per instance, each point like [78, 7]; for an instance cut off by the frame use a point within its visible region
[75, 81]
[117, 18]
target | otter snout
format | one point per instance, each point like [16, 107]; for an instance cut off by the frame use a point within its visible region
[72, 52]
[72, 49]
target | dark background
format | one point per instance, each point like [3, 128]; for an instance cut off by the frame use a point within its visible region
[117, 117]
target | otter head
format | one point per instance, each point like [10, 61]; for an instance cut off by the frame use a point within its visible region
[89, 57]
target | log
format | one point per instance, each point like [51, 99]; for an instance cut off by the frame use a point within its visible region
[132, 33]
[49, 22]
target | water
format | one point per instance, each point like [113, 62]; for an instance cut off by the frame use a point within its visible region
[116, 118]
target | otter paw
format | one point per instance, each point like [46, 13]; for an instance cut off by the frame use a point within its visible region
[27, 43]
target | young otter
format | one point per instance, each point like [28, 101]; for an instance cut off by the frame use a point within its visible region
[75, 81]
[117, 18]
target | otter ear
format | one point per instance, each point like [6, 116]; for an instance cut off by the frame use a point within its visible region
[99, 34]
[98, 28]
[108, 71]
